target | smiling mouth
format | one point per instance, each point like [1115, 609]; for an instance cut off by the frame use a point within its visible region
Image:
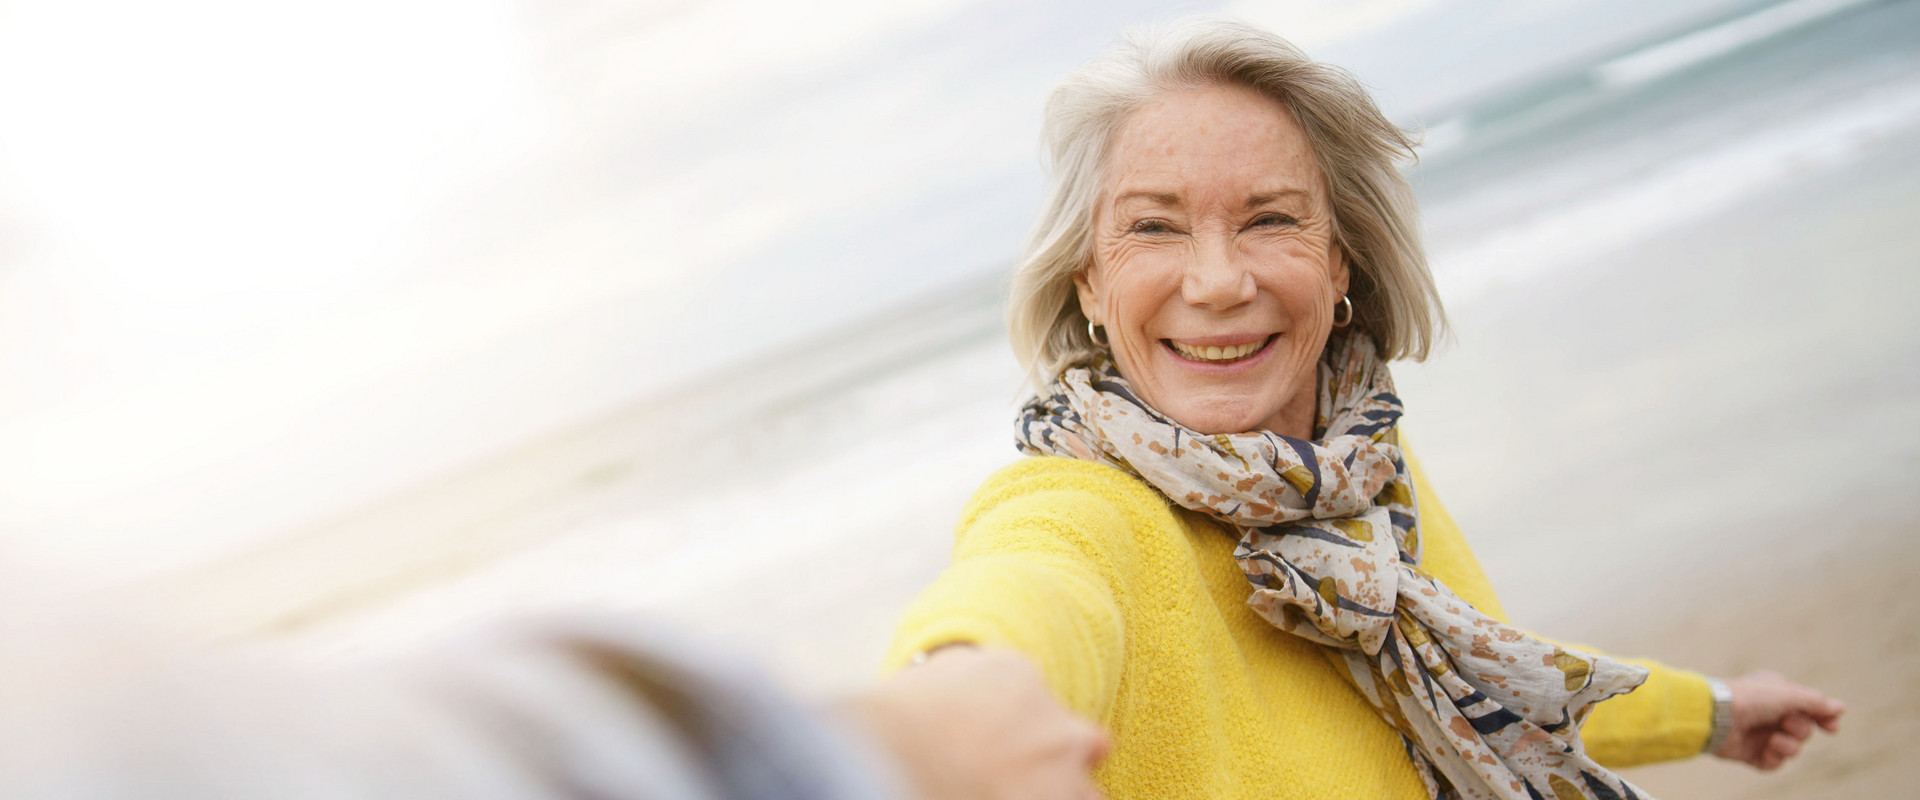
[1212, 354]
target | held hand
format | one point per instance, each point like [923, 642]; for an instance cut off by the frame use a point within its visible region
[980, 724]
[1772, 718]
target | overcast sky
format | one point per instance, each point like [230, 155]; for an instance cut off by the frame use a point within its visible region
[260, 263]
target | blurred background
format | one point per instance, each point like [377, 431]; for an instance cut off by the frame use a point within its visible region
[347, 325]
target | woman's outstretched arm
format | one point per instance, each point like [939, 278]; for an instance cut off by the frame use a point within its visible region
[1032, 571]
[1671, 715]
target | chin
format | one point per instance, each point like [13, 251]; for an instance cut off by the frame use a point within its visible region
[1212, 418]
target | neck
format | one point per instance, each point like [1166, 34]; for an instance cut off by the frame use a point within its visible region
[1295, 419]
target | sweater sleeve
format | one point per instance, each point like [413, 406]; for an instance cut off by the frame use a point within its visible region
[1666, 718]
[1033, 570]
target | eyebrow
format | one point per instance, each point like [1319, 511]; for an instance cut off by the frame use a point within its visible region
[1172, 199]
[1162, 198]
[1258, 200]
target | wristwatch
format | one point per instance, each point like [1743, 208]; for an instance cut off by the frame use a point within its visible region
[1722, 714]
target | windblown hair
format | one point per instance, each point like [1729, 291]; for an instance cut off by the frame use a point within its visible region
[1376, 220]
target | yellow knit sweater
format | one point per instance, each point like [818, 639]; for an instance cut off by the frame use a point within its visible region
[1136, 613]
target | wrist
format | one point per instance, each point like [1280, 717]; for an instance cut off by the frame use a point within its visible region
[1722, 719]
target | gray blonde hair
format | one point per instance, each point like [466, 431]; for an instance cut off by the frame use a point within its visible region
[1376, 221]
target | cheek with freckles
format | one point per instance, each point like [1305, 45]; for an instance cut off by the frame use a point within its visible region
[1129, 285]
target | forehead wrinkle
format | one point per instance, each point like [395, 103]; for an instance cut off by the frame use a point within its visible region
[1169, 153]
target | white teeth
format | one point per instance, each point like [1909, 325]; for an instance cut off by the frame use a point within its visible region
[1215, 353]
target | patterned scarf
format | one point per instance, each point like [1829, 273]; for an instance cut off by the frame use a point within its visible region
[1329, 538]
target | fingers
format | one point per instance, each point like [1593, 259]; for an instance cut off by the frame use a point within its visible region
[1799, 726]
[1824, 711]
[1763, 697]
[1831, 720]
[973, 722]
[1072, 775]
[1099, 746]
[1774, 717]
[1792, 735]
[1810, 703]
[1087, 745]
[1784, 745]
[1780, 747]
[1084, 777]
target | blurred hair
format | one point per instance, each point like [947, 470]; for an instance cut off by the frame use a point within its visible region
[1376, 220]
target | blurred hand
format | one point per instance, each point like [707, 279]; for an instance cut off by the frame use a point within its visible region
[981, 724]
[1772, 718]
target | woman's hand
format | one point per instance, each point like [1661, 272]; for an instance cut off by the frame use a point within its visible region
[1772, 718]
[981, 724]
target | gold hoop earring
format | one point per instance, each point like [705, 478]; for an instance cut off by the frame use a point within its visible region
[1339, 321]
[1094, 332]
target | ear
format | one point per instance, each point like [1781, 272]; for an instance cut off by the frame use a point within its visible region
[1338, 270]
[1089, 298]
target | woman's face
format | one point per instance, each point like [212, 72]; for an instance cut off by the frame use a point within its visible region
[1214, 270]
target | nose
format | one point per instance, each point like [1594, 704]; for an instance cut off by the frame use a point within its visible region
[1215, 278]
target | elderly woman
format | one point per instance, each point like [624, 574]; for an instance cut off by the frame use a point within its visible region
[1222, 552]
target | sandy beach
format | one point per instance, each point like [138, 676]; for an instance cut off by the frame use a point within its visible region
[1839, 622]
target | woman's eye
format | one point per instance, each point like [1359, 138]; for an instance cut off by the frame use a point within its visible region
[1152, 226]
[1272, 220]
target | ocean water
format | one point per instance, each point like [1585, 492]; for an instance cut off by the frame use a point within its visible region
[1676, 269]
[1682, 333]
